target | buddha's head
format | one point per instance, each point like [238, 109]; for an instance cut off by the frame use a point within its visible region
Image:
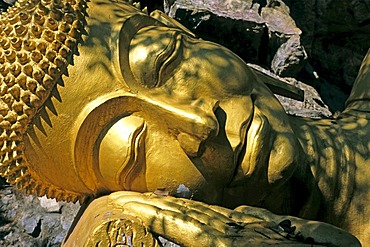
[141, 104]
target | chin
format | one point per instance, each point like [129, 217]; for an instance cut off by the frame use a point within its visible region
[284, 159]
[271, 156]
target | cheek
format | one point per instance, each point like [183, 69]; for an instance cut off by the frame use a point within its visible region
[283, 159]
[183, 84]
[167, 167]
[217, 164]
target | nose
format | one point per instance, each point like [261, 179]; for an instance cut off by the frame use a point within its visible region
[193, 121]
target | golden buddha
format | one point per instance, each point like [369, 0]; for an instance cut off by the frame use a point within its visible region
[98, 97]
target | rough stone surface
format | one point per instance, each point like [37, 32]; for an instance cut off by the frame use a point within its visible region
[280, 25]
[290, 58]
[331, 43]
[24, 220]
[335, 34]
[254, 30]
[241, 30]
[50, 205]
[312, 106]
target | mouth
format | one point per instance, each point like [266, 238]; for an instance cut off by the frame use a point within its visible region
[257, 145]
[254, 152]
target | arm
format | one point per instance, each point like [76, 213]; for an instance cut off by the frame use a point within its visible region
[130, 217]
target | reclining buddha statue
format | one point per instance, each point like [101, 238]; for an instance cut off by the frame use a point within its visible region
[126, 112]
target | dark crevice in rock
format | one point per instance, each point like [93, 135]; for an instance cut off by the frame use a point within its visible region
[238, 32]
[334, 43]
[152, 4]
[260, 3]
[3, 220]
[36, 232]
[3, 234]
[4, 5]
[364, 23]
[3, 182]
[319, 102]
[5, 223]
[263, 48]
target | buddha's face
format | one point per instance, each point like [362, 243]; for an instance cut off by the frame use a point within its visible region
[202, 119]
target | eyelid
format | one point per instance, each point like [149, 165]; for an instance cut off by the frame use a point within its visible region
[151, 66]
[169, 64]
[120, 152]
[132, 24]
[162, 59]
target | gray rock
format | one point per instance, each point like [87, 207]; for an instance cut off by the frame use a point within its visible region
[167, 243]
[30, 222]
[183, 192]
[252, 29]
[281, 28]
[50, 205]
[278, 20]
[234, 24]
[312, 106]
[24, 222]
[290, 58]
[335, 34]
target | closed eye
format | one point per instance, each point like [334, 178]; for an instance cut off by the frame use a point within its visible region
[167, 67]
[154, 55]
[168, 54]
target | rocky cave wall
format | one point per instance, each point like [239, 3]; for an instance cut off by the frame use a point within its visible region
[318, 42]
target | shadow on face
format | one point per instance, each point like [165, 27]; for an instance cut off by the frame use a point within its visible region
[244, 138]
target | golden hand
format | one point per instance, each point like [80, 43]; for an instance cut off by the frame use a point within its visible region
[131, 218]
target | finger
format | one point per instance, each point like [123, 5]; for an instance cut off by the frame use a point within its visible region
[238, 217]
[321, 232]
[258, 213]
[167, 216]
[178, 227]
[197, 210]
[317, 232]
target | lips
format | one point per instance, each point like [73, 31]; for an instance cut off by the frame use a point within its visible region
[257, 146]
[253, 154]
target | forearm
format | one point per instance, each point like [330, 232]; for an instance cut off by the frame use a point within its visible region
[140, 217]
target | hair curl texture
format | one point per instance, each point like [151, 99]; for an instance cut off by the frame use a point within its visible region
[37, 41]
